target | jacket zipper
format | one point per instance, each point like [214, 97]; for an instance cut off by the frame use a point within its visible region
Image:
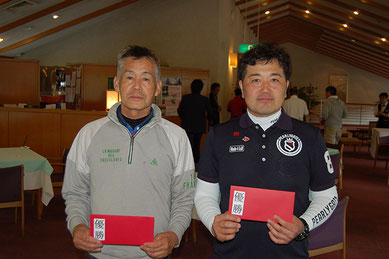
[131, 151]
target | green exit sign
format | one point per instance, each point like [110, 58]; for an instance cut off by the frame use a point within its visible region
[243, 48]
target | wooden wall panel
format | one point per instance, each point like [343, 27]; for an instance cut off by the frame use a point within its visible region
[48, 131]
[72, 123]
[95, 85]
[3, 129]
[19, 81]
[42, 130]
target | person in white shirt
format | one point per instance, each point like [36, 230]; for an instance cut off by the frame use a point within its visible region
[296, 107]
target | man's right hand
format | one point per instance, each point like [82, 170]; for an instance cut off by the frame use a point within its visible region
[82, 239]
[225, 226]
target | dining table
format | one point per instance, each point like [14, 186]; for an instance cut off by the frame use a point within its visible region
[37, 172]
[377, 132]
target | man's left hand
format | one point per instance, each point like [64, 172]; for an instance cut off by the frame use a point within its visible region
[283, 232]
[161, 246]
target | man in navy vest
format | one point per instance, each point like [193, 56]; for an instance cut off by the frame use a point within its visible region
[382, 111]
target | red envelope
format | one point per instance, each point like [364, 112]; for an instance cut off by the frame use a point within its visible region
[261, 204]
[122, 230]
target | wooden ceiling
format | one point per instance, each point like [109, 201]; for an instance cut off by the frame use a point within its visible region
[364, 43]
[26, 24]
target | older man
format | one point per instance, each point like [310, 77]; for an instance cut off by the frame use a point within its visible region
[132, 162]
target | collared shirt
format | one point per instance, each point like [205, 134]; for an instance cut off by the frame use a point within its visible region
[289, 156]
[295, 107]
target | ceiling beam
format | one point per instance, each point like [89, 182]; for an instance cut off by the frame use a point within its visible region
[375, 4]
[256, 6]
[362, 11]
[67, 25]
[339, 27]
[37, 15]
[4, 1]
[347, 18]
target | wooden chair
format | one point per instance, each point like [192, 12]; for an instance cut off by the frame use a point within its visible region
[58, 165]
[331, 235]
[12, 190]
[372, 125]
[337, 162]
[382, 151]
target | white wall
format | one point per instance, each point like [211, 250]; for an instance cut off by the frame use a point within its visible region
[313, 68]
[190, 33]
[194, 34]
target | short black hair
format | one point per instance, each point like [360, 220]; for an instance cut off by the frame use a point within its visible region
[384, 95]
[265, 53]
[293, 91]
[214, 86]
[196, 86]
[238, 92]
[331, 89]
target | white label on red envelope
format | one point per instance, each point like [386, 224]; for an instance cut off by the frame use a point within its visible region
[261, 204]
[238, 203]
[99, 229]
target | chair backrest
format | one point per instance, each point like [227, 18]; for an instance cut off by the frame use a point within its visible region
[335, 146]
[335, 159]
[372, 125]
[11, 184]
[331, 233]
[383, 140]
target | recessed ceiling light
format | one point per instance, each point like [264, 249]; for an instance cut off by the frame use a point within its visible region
[345, 25]
[55, 16]
[383, 39]
[1, 39]
[353, 40]
[267, 12]
[356, 12]
[307, 11]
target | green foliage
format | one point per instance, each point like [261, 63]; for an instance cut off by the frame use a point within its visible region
[312, 100]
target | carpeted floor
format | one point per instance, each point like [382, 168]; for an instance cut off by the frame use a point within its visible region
[367, 221]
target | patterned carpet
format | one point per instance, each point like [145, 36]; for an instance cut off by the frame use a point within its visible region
[367, 221]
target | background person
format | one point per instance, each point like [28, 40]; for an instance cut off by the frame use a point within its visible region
[193, 111]
[237, 106]
[296, 107]
[132, 162]
[276, 153]
[333, 111]
[215, 118]
[382, 111]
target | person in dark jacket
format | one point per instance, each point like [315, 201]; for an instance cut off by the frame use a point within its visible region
[215, 118]
[382, 111]
[193, 111]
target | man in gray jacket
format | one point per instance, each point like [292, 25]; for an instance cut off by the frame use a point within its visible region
[333, 111]
[132, 162]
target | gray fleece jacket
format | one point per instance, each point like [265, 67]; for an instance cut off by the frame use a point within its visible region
[108, 171]
[334, 110]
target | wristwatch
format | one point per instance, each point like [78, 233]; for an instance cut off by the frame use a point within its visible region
[303, 235]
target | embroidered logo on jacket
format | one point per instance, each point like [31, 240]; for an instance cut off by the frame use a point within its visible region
[236, 148]
[110, 155]
[245, 139]
[289, 144]
[154, 162]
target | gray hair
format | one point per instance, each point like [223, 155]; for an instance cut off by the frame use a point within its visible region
[137, 52]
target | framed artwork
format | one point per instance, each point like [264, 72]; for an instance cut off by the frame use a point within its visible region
[340, 81]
